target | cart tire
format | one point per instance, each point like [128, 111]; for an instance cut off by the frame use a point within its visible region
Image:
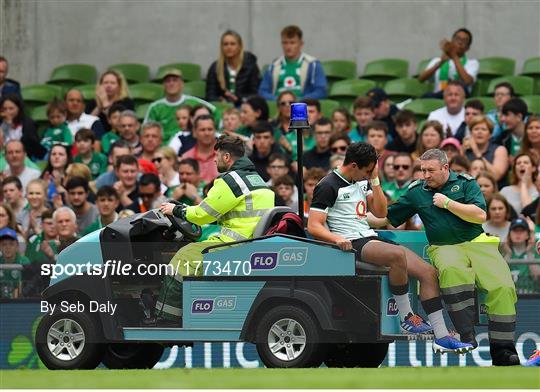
[132, 355]
[66, 341]
[349, 355]
[287, 336]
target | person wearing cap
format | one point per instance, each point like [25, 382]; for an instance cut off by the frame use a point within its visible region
[453, 209]
[295, 71]
[519, 245]
[384, 110]
[451, 146]
[164, 110]
[10, 279]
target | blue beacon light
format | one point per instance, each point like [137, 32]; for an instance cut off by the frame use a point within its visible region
[299, 117]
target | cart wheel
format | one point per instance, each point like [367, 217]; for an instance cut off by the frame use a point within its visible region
[287, 337]
[67, 341]
[349, 355]
[132, 355]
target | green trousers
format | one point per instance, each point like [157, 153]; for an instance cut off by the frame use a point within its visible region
[186, 262]
[479, 262]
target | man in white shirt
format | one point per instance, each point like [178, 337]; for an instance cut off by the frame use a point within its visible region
[15, 156]
[453, 64]
[452, 115]
[77, 118]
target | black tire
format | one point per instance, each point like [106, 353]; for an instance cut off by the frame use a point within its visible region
[303, 323]
[89, 350]
[349, 355]
[132, 355]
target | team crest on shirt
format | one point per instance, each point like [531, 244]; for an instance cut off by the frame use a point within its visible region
[289, 81]
[455, 188]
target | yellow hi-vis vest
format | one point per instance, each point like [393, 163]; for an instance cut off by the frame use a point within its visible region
[237, 201]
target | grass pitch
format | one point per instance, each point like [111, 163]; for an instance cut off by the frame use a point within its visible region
[403, 378]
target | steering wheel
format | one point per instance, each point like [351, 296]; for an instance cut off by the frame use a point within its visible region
[189, 230]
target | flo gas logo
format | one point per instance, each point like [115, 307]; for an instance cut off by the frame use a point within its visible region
[391, 307]
[199, 306]
[287, 257]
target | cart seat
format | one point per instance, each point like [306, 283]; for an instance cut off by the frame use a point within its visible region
[268, 219]
[370, 269]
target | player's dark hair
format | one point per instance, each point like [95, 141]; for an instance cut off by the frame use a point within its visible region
[231, 144]
[363, 154]
[107, 191]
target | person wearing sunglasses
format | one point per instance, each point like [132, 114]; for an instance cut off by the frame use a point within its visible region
[403, 171]
[165, 162]
[339, 144]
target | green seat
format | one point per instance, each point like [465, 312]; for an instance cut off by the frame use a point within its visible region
[39, 114]
[328, 106]
[533, 103]
[145, 92]
[38, 94]
[422, 65]
[197, 88]
[422, 107]
[190, 71]
[346, 91]
[488, 102]
[523, 85]
[272, 109]
[141, 110]
[383, 70]
[531, 68]
[496, 66]
[134, 73]
[399, 90]
[71, 75]
[339, 70]
[88, 91]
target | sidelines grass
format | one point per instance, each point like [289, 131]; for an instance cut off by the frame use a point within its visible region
[403, 378]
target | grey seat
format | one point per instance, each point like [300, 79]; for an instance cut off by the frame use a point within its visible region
[267, 218]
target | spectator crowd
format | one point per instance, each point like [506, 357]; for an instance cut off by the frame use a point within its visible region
[96, 162]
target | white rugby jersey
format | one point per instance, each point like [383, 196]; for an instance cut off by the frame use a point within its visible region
[345, 204]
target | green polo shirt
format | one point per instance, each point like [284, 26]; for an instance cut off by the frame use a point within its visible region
[97, 164]
[441, 226]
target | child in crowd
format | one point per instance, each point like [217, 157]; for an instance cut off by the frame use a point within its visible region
[519, 246]
[107, 201]
[377, 136]
[406, 125]
[477, 166]
[284, 188]
[231, 121]
[11, 276]
[96, 161]
[114, 134]
[182, 140]
[58, 131]
[460, 164]
[341, 120]
[311, 179]
[363, 114]
[278, 166]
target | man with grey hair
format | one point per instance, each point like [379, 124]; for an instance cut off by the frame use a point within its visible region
[129, 131]
[453, 209]
[65, 221]
[151, 139]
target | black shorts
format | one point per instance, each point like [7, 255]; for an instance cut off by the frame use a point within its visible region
[359, 244]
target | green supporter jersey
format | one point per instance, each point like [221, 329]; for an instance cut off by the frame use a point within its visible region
[393, 190]
[442, 227]
[309, 142]
[184, 199]
[164, 112]
[11, 279]
[107, 140]
[97, 164]
[34, 252]
[289, 77]
[524, 281]
[59, 134]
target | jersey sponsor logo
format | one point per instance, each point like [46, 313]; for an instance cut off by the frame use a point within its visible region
[361, 209]
[208, 305]
[455, 188]
[391, 307]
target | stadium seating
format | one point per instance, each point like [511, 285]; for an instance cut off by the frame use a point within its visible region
[328, 106]
[39, 94]
[422, 65]
[141, 110]
[88, 91]
[383, 70]
[70, 75]
[523, 85]
[197, 88]
[336, 70]
[489, 69]
[346, 91]
[145, 92]
[39, 115]
[399, 90]
[272, 109]
[531, 68]
[423, 106]
[134, 73]
[488, 102]
[190, 71]
[533, 103]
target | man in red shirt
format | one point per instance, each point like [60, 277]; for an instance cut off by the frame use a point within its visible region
[204, 130]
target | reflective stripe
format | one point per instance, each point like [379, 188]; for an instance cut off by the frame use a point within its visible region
[233, 234]
[457, 289]
[168, 309]
[244, 188]
[460, 305]
[501, 335]
[209, 210]
[502, 319]
[244, 214]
